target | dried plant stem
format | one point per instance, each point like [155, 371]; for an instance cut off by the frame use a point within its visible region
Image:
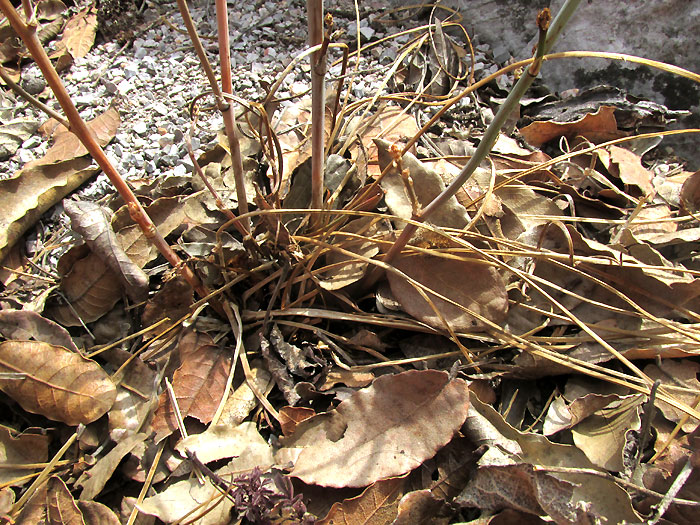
[226, 87]
[227, 113]
[491, 135]
[27, 32]
[314, 10]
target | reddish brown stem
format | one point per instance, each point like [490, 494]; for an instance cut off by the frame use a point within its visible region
[27, 32]
[314, 13]
[229, 118]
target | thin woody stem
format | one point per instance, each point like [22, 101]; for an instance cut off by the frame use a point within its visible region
[314, 13]
[27, 32]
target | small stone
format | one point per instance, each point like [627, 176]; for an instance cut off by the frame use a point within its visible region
[111, 87]
[33, 83]
[124, 87]
[179, 170]
[31, 142]
[140, 128]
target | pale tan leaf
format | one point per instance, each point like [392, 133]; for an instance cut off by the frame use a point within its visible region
[476, 286]
[50, 9]
[18, 450]
[13, 133]
[92, 222]
[239, 404]
[427, 185]
[91, 288]
[57, 383]
[228, 441]
[342, 270]
[7, 499]
[61, 507]
[198, 384]
[603, 436]
[95, 513]
[381, 431]
[179, 499]
[681, 373]
[32, 191]
[378, 505]
[94, 480]
[79, 33]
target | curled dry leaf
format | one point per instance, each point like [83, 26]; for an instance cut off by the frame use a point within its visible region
[596, 127]
[469, 282]
[381, 431]
[228, 441]
[25, 325]
[55, 382]
[92, 222]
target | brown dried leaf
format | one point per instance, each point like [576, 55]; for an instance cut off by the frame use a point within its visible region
[26, 325]
[228, 441]
[290, 417]
[91, 288]
[95, 513]
[92, 222]
[32, 191]
[690, 193]
[422, 507]
[34, 510]
[22, 449]
[480, 289]
[198, 384]
[94, 480]
[60, 505]
[67, 146]
[681, 373]
[628, 166]
[57, 383]
[596, 127]
[381, 431]
[427, 185]
[50, 9]
[522, 488]
[378, 505]
[79, 33]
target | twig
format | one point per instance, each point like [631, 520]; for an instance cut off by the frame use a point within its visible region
[314, 10]
[670, 497]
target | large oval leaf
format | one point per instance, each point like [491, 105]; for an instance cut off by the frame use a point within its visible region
[55, 382]
[381, 431]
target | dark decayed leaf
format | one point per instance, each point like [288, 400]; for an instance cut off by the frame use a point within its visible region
[26, 325]
[19, 450]
[60, 505]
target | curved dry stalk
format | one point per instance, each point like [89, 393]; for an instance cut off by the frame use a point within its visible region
[27, 32]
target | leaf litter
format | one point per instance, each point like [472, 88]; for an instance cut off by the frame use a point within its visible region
[500, 367]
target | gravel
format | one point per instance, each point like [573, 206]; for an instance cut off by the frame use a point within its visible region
[153, 80]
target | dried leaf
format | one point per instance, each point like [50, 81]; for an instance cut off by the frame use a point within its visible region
[59, 384]
[596, 127]
[26, 325]
[422, 507]
[228, 441]
[378, 504]
[381, 431]
[50, 9]
[79, 33]
[199, 385]
[290, 417]
[690, 193]
[32, 191]
[427, 185]
[94, 480]
[18, 450]
[95, 513]
[91, 288]
[61, 507]
[239, 404]
[481, 290]
[92, 222]
[628, 166]
[67, 145]
[681, 373]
